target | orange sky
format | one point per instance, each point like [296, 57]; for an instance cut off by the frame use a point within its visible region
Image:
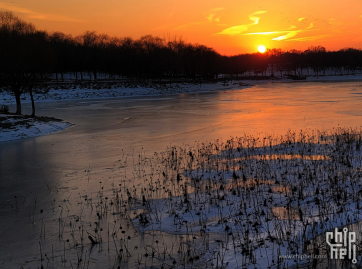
[229, 26]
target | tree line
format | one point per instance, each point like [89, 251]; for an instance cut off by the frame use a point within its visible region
[30, 57]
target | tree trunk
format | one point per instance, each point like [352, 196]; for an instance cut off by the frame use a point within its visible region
[32, 103]
[18, 103]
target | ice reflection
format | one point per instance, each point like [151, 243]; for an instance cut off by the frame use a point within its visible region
[269, 157]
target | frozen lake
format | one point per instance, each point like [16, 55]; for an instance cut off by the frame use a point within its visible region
[104, 127]
[107, 130]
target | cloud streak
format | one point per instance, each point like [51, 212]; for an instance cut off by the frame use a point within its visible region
[283, 35]
[218, 9]
[311, 25]
[36, 15]
[254, 18]
[287, 36]
[212, 17]
[311, 38]
[188, 25]
[296, 32]
[267, 33]
[235, 30]
[336, 32]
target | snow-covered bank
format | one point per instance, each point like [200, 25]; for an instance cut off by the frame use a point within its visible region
[312, 78]
[335, 78]
[67, 91]
[19, 126]
[98, 90]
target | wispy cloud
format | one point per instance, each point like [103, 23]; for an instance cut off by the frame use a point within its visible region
[235, 30]
[218, 9]
[287, 36]
[283, 35]
[36, 15]
[336, 32]
[188, 25]
[212, 17]
[15, 8]
[254, 18]
[292, 33]
[311, 38]
[163, 27]
[311, 25]
[267, 33]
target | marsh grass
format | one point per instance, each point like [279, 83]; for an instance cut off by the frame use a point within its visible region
[239, 203]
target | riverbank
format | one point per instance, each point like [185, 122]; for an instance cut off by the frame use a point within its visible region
[68, 91]
[109, 89]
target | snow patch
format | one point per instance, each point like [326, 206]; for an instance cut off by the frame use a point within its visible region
[17, 126]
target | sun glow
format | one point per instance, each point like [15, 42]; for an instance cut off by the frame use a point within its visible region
[261, 49]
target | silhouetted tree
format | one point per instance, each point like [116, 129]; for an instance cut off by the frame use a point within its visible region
[28, 56]
[25, 59]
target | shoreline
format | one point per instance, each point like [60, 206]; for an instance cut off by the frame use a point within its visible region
[39, 128]
[93, 94]
[157, 91]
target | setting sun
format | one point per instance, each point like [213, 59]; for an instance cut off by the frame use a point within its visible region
[261, 49]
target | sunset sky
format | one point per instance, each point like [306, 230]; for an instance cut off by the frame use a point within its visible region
[229, 26]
